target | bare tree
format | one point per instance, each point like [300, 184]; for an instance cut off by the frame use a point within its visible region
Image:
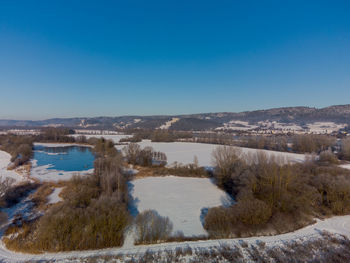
[345, 149]
[151, 227]
[225, 156]
[131, 152]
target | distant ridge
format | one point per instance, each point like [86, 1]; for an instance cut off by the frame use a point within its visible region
[202, 121]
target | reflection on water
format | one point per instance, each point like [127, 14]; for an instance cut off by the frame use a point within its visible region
[70, 158]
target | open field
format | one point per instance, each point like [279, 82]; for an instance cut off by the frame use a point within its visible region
[185, 152]
[181, 199]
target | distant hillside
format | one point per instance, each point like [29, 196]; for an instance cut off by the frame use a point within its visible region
[204, 121]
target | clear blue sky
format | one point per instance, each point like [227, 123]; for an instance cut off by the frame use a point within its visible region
[94, 58]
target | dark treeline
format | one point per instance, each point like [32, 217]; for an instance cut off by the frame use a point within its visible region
[272, 196]
[156, 135]
[306, 143]
[93, 214]
[52, 134]
[310, 143]
[189, 170]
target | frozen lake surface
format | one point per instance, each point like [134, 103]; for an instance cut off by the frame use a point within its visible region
[55, 162]
[68, 158]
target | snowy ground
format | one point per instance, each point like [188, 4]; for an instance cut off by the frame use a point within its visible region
[114, 137]
[179, 198]
[168, 124]
[339, 224]
[237, 126]
[44, 173]
[345, 166]
[54, 197]
[324, 127]
[5, 160]
[184, 152]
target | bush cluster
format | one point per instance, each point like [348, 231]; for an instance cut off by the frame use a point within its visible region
[152, 228]
[269, 191]
[144, 157]
[20, 148]
[93, 214]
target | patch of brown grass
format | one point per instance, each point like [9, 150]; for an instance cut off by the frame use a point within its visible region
[183, 171]
[41, 195]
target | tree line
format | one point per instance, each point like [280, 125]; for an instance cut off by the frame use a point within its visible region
[157, 135]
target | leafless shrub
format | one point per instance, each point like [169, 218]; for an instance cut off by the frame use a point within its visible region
[261, 244]
[243, 244]
[5, 184]
[320, 249]
[187, 251]
[178, 251]
[232, 254]
[328, 157]
[151, 227]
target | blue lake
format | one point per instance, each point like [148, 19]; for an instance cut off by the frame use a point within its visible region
[70, 158]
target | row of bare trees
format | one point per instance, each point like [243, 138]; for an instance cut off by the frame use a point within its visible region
[135, 155]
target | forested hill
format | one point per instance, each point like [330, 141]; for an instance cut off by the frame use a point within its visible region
[202, 121]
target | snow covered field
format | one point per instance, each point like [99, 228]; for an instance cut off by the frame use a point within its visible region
[181, 199]
[184, 152]
[324, 127]
[237, 126]
[114, 137]
[5, 160]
